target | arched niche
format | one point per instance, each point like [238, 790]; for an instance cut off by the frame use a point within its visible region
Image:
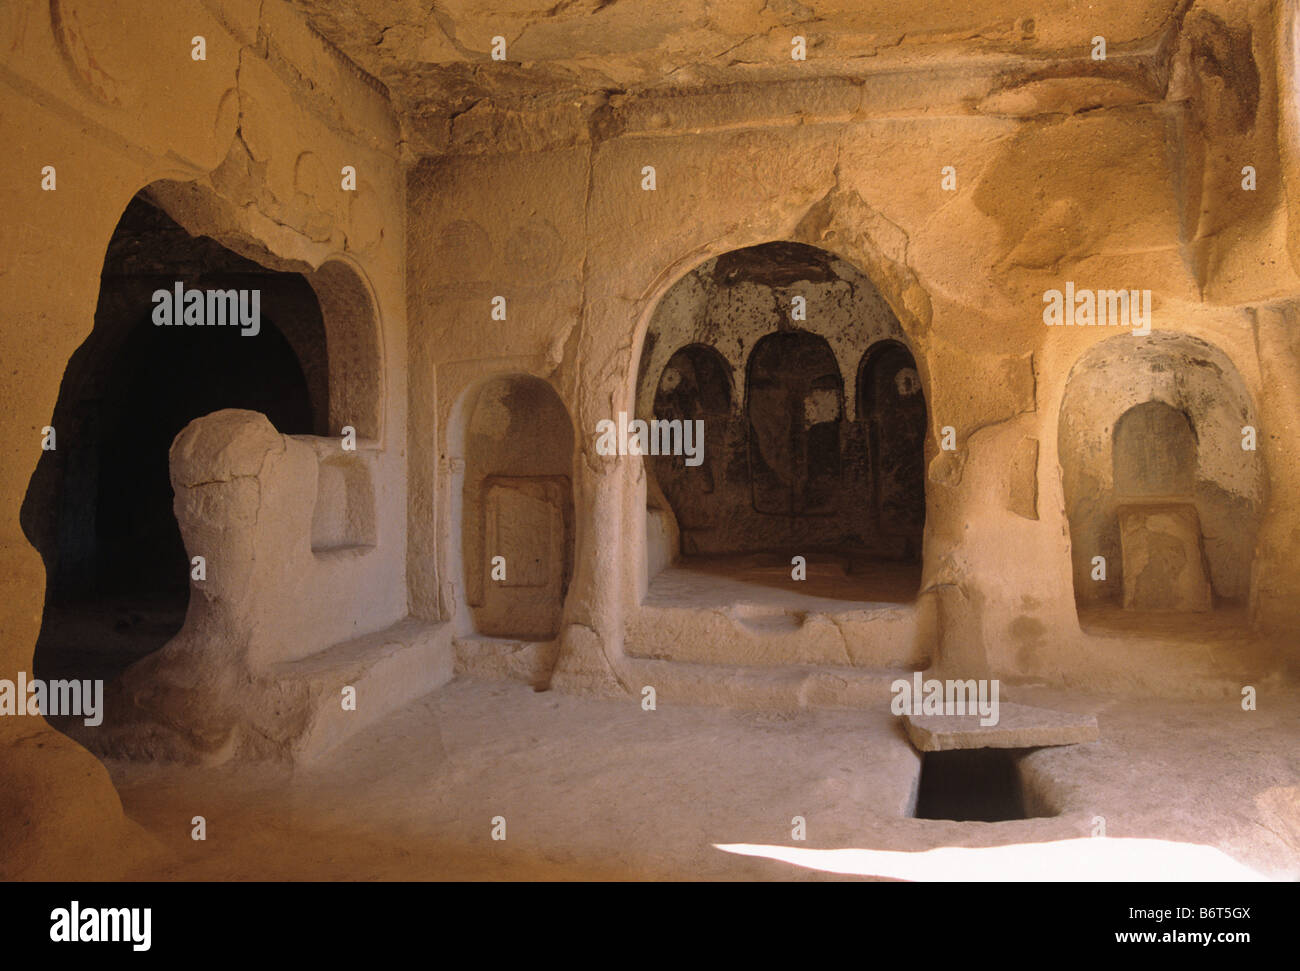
[794, 406]
[1155, 478]
[99, 506]
[891, 407]
[696, 382]
[516, 509]
[352, 330]
[695, 385]
[1154, 452]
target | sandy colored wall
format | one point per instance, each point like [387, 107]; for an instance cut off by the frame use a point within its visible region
[1131, 178]
[256, 134]
[858, 173]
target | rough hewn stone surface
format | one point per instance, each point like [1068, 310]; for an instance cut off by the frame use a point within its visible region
[1164, 567]
[963, 162]
[117, 105]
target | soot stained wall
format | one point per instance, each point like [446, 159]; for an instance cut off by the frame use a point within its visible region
[814, 422]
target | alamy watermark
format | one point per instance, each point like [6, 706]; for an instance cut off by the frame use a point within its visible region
[655, 437]
[75, 923]
[1098, 308]
[209, 308]
[82, 699]
[935, 697]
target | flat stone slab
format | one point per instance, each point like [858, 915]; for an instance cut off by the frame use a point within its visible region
[1164, 566]
[1019, 726]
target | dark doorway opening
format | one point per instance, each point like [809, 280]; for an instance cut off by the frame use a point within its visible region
[99, 507]
[814, 420]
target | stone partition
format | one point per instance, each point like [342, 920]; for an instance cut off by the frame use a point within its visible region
[263, 604]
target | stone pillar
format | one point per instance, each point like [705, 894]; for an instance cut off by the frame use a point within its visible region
[244, 501]
[1275, 571]
[244, 497]
[591, 641]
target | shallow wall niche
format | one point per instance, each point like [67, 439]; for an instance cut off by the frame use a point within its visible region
[1154, 452]
[794, 405]
[517, 508]
[798, 457]
[99, 507]
[1150, 441]
[344, 515]
[695, 385]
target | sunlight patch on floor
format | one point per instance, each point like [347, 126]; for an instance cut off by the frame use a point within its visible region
[1086, 859]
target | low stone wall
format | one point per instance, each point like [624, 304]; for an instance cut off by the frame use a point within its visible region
[243, 677]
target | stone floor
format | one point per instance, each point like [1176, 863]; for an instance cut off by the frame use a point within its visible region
[833, 582]
[101, 637]
[746, 610]
[599, 789]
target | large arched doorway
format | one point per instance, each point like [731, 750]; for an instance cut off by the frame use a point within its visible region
[818, 454]
[99, 507]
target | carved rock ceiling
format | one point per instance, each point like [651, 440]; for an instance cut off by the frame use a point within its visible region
[435, 57]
